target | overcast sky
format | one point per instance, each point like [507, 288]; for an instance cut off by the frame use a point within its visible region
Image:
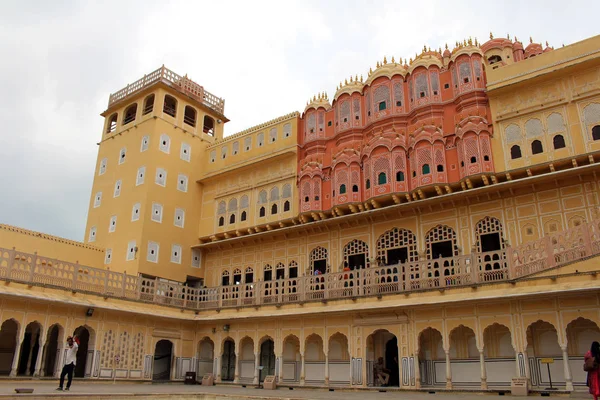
[60, 60]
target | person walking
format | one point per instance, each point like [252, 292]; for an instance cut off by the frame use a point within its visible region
[70, 361]
[591, 366]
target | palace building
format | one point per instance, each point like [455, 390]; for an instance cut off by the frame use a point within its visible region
[440, 212]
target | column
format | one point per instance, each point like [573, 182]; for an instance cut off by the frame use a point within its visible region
[40, 356]
[327, 369]
[15, 363]
[484, 385]
[256, 365]
[219, 361]
[279, 362]
[302, 379]
[526, 362]
[417, 373]
[238, 368]
[567, 367]
[448, 371]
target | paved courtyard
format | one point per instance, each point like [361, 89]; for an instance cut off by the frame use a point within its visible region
[106, 390]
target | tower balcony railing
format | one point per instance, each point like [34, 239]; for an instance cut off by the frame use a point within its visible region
[471, 270]
[178, 82]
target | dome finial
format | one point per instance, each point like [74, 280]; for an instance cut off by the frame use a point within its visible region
[530, 39]
[547, 44]
[446, 46]
[345, 81]
[361, 78]
[491, 35]
[508, 36]
[384, 59]
[393, 60]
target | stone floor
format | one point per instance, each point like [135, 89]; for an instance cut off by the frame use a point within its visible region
[106, 390]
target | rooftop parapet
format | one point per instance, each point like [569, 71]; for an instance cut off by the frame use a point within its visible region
[180, 83]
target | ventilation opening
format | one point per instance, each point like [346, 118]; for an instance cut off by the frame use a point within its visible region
[398, 104]
[536, 147]
[490, 242]
[446, 86]
[382, 106]
[466, 80]
[170, 107]
[329, 123]
[112, 123]
[515, 152]
[354, 188]
[596, 132]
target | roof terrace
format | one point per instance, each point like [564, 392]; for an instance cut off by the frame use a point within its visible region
[180, 83]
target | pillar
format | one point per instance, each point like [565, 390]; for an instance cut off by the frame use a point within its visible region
[15, 362]
[256, 365]
[238, 368]
[567, 368]
[448, 371]
[279, 363]
[40, 355]
[327, 369]
[302, 369]
[219, 361]
[417, 373]
[484, 385]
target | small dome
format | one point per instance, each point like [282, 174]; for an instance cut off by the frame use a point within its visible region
[533, 49]
[517, 45]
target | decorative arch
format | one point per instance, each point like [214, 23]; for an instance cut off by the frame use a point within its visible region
[443, 236]
[483, 229]
[463, 343]
[356, 255]
[319, 260]
[397, 245]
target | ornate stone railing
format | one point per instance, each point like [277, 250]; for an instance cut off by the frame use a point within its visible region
[182, 83]
[474, 269]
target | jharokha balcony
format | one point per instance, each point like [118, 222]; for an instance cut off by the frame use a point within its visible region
[507, 265]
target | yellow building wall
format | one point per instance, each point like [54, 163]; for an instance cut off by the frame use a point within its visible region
[555, 93]
[525, 216]
[49, 246]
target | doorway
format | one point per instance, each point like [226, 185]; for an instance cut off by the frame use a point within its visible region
[163, 354]
[228, 361]
[391, 361]
[51, 351]
[267, 359]
[397, 256]
[441, 249]
[84, 338]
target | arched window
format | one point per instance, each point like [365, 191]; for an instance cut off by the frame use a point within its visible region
[208, 126]
[306, 199]
[399, 176]
[426, 169]
[515, 152]
[473, 160]
[440, 168]
[368, 184]
[232, 219]
[148, 104]
[494, 59]
[381, 178]
[382, 106]
[243, 216]
[130, 113]
[189, 116]
[536, 147]
[261, 212]
[596, 132]
[342, 189]
[221, 221]
[170, 106]
[354, 188]
[559, 142]
[274, 209]
[112, 123]
[286, 206]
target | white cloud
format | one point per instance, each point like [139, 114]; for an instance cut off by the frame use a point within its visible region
[61, 60]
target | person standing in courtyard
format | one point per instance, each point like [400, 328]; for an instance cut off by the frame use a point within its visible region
[70, 361]
[591, 366]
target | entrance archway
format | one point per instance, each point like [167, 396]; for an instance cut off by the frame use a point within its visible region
[338, 359]
[499, 355]
[247, 362]
[291, 359]
[382, 343]
[267, 359]
[8, 345]
[542, 342]
[314, 363]
[464, 357]
[432, 358]
[30, 349]
[51, 350]
[581, 332]
[163, 355]
[83, 334]
[206, 351]
[228, 361]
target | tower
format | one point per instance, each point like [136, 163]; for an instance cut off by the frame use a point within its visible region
[145, 204]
